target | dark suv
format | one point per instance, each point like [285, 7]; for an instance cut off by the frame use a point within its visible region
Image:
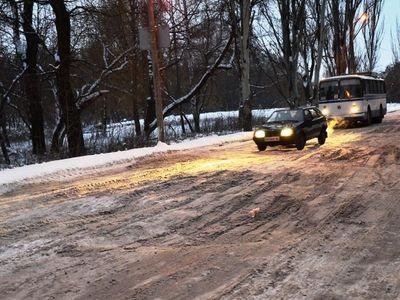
[292, 127]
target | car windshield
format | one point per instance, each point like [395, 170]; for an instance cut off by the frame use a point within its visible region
[286, 115]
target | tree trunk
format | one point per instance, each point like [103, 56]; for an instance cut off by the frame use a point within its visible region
[150, 102]
[155, 57]
[351, 57]
[196, 121]
[321, 41]
[3, 143]
[31, 82]
[182, 119]
[56, 141]
[3, 125]
[246, 105]
[135, 95]
[69, 111]
[135, 64]
[4, 149]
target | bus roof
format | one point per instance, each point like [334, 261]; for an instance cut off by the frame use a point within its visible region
[364, 77]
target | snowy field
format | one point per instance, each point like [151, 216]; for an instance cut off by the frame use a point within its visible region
[19, 174]
[210, 123]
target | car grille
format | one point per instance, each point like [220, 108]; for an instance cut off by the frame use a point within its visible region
[272, 133]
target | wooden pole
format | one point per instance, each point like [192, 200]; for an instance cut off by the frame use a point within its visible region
[155, 56]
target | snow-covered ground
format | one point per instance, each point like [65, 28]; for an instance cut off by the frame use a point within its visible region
[393, 107]
[93, 161]
[212, 122]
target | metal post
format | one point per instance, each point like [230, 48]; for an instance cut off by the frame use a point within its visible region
[155, 56]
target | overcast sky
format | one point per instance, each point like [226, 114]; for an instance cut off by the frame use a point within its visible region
[391, 12]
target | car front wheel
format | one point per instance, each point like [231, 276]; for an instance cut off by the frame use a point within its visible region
[322, 137]
[261, 147]
[301, 142]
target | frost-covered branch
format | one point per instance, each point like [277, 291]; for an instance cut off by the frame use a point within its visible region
[169, 108]
[88, 92]
[7, 92]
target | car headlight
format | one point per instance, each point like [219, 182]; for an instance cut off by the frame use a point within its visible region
[354, 109]
[325, 112]
[287, 132]
[259, 134]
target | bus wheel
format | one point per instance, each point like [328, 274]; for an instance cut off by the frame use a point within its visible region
[368, 121]
[381, 116]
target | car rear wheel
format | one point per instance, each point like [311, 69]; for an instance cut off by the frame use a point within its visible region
[322, 137]
[261, 147]
[301, 142]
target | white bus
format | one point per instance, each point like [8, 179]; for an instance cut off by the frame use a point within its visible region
[353, 98]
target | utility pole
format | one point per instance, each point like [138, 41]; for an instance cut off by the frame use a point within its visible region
[320, 46]
[155, 56]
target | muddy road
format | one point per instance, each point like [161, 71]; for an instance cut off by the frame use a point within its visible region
[325, 225]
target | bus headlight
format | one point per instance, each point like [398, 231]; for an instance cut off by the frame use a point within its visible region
[354, 109]
[286, 132]
[259, 134]
[325, 112]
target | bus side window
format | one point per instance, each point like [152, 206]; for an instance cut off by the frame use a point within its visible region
[370, 87]
[384, 87]
[367, 86]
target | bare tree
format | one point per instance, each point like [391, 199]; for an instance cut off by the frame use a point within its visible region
[286, 32]
[69, 111]
[372, 32]
[241, 14]
[31, 80]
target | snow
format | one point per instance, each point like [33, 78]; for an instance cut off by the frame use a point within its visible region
[9, 176]
[57, 57]
[92, 161]
[392, 107]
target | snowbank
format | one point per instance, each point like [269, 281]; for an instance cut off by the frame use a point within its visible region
[91, 161]
[393, 107]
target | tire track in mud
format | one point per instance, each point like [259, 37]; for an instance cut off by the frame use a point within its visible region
[347, 217]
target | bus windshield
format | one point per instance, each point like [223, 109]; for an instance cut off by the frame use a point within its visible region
[286, 115]
[329, 90]
[344, 89]
[350, 88]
